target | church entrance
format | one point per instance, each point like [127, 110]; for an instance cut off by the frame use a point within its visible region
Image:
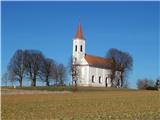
[106, 82]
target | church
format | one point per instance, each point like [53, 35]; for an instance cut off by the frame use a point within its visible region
[91, 70]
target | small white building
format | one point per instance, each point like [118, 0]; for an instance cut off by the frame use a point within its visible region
[91, 70]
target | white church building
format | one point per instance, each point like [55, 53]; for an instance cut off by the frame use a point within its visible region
[90, 71]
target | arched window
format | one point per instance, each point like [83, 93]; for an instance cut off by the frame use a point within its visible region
[81, 49]
[76, 48]
[99, 79]
[92, 78]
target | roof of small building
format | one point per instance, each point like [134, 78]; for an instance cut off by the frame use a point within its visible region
[97, 61]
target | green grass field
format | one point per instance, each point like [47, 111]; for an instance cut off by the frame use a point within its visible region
[68, 88]
[95, 105]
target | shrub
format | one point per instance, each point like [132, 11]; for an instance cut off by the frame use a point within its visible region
[146, 84]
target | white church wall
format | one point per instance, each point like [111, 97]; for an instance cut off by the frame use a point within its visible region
[84, 75]
[98, 72]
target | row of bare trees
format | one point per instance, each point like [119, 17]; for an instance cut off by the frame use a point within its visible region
[32, 65]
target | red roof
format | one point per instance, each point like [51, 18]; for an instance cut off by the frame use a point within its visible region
[93, 60]
[79, 33]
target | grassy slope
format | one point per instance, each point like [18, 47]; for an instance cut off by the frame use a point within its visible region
[110, 105]
[51, 88]
[68, 88]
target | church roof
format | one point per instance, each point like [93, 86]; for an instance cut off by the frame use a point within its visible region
[97, 61]
[79, 33]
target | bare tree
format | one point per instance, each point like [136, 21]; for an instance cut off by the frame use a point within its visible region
[157, 85]
[61, 73]
[5, 78]
[16, 66]
[75, 72]
[55, 73]
[112, 66]
[47, 70]
[33, 62]
[8, 77]
[146, 84]
[123, 62]
[141, 84]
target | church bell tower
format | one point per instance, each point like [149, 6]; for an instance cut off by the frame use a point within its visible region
[78, 46]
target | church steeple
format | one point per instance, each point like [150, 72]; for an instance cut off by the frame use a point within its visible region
[78, 45]
[79, 33]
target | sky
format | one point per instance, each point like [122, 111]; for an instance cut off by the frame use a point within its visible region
[132, 27]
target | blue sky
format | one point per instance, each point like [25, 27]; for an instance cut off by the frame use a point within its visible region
[50, 26]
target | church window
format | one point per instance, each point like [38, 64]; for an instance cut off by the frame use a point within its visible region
[81, 49]
[99, 79]
[76, 48]
[75, 59]
[92, 78]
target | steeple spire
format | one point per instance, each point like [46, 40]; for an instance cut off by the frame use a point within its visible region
[79, 33]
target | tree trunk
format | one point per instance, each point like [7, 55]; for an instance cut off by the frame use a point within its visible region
[31, 79]
[33, 82]
[118, 83]
[56, 80]
[122, 81]
[61, 81]
[75, 86]
[47, 82]
[113, 69]
[20, 82]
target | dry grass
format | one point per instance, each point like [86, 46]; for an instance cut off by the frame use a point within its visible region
[101, 105]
